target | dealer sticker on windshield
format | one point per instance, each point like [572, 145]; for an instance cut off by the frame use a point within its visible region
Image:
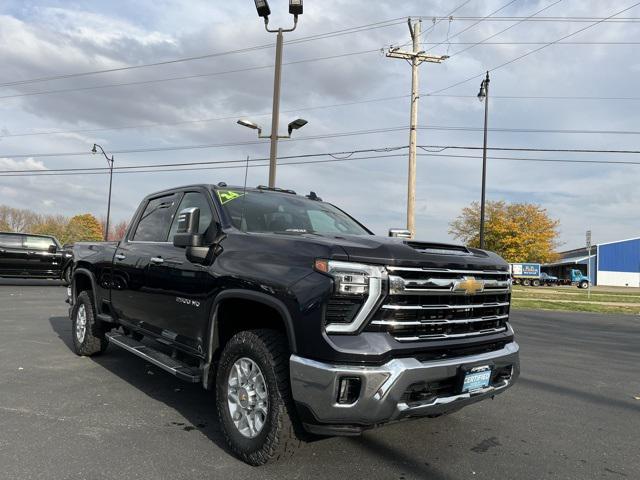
[476, 379]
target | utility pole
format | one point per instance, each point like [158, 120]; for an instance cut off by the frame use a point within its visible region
[415, 58]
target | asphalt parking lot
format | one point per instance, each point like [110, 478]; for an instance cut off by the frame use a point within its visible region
[573, 414]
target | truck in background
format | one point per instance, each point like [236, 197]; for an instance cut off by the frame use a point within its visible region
[575, 277]
[531, 274]
[525, 274]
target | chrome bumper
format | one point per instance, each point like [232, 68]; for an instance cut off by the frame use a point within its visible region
[315, 386]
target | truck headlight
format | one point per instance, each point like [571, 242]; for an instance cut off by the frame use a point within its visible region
[354, 280]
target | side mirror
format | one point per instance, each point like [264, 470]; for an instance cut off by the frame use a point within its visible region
[53, 249]
[187, 234]
[399, 233]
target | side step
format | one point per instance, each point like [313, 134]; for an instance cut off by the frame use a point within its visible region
[159, 359]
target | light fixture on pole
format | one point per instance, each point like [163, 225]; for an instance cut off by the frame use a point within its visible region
[295, 9]
[110, 162]
[295, 125]
[483, 96]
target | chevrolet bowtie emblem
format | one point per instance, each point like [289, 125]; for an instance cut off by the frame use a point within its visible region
[469, 285]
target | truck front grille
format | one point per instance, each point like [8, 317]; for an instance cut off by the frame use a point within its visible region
[433, 304]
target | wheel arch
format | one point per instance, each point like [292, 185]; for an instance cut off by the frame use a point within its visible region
[83, 278]
[216, 333]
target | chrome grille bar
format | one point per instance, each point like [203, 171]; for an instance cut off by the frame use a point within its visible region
[439, 321]
[447, 270]
[451, 335]
[445, 307]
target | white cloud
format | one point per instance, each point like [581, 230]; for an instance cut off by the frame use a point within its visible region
[49, 39]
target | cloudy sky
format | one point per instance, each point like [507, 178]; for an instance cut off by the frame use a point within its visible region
[342, 94]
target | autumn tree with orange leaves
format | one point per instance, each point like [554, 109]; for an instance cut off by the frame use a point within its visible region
[519, 232]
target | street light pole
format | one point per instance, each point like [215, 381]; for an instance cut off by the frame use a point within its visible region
[110, 163]
[295, 9]
[484, 96]
[275, 116]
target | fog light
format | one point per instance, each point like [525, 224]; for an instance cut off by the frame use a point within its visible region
[349, 390]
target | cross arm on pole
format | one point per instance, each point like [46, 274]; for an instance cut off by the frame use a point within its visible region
[421, 57]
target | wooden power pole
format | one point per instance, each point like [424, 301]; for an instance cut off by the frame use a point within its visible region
[416, 58]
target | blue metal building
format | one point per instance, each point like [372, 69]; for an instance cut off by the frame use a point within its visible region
[618, 263]
[611, 264]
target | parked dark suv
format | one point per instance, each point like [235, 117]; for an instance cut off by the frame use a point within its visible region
[24, 255]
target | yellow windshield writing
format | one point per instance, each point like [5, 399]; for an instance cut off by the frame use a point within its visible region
[226, 196]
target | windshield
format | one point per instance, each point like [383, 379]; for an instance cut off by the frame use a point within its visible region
[256, 211]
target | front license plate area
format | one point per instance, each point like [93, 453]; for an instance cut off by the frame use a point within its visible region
[476, 378]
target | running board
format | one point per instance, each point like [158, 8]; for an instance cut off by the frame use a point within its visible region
[159, 359]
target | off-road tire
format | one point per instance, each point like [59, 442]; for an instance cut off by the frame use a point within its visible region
[278, 438]
[94, 341]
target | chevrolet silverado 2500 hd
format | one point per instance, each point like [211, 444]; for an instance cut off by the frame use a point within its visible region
[295, 314]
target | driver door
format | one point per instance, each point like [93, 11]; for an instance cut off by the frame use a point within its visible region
[180, 292]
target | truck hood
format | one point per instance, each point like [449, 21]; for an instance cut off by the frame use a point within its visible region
[408, 253]
[398, 252]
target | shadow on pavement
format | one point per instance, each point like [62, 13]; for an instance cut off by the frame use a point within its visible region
[194, 403]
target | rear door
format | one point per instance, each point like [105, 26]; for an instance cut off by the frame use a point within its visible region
[41, 261]
[180, 292]
[130, 293]
[13, 256]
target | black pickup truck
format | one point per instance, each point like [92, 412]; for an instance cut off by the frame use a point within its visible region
[297, 316]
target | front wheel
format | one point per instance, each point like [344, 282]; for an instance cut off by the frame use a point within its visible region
[584, 284]
[253, 397]
[88, 336]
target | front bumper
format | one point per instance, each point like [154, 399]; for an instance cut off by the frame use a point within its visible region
[383, 394]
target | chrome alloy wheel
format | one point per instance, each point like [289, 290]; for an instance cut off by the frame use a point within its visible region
[81, 323]
[247, 397]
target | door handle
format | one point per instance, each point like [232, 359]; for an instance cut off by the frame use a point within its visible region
[157, 260]
[120, 256]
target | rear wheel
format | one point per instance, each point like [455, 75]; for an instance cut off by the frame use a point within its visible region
[254, 399]
[88, 335]
[536, 283]
[66, 275]
[526, 282]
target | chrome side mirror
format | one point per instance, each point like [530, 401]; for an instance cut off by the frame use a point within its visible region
[399, 233]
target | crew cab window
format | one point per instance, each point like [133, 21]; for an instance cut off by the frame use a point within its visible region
[10, 241]
[261, 211]
[156, 219]
[37, 243]
[190, 200]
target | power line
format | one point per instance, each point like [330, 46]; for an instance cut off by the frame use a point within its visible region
[204, 120]
[366, 27]
[332, 160]
[460, 32]
[338, 135]
[207, 145]
[183, 77]
[535, 50]
[542, 19]
[437, 20]
[316, 107]
[508, 28]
